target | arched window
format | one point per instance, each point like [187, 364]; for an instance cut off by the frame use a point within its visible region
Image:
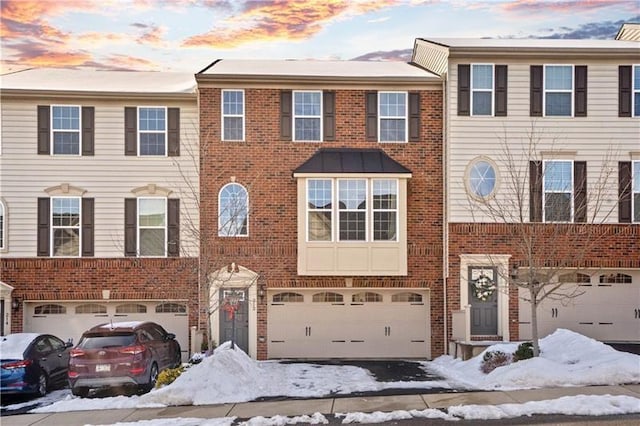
[49, 309]
[91, 308]
[3, 220]
[616, 279]
[171, 308]
[328, 296]
[233, 213]
[407, 297]
[131, 308]
[366, 297]
[288, 297]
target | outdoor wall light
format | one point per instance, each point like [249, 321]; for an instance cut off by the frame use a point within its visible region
[261, 291]
[514, 272]
[15, 303]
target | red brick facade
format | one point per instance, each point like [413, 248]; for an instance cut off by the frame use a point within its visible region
[264, 163]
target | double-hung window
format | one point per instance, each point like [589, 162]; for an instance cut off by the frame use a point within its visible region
[636, 191]
[385, 209]
[307, 116]
[352, 209]
[65, 130]
[152, 131]
[233, 115]
[152, 226]
[558, 191]
[319, 209]
[558, 90]
[392, 116]
[65, 226]
[636, 90]
[482, 89]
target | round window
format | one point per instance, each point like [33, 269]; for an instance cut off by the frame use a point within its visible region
[481, 178]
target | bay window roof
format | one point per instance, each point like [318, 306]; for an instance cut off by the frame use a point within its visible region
[351, 160]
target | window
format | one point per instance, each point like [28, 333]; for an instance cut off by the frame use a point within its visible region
[65, 130]
[385, 209]
[307, 116]
[636, 191]
[91, 308]
[233, 214]
[575, 277]
[616, 279]
[319, 196]
[366, 297]
[288, 297]
[152, 131]
[65, 226]
[558, 191]
[482, 89]
[481, 178]
[49, 309]
[152, 226]
[328, 296]
[233, 115]
[636, 90]
[558, 90]
[407, 297]
[3, 219]
[174, 308]
[352, 209]
[392, 116]
[131, 308]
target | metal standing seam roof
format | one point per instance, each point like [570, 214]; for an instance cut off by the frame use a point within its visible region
[351, 160]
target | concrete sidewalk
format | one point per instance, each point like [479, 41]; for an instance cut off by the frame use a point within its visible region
[310, 406]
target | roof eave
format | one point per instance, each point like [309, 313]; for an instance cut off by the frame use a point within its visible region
[30, 93]
[599, 52]
[293, 79]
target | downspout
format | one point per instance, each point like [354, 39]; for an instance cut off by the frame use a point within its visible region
[445, 210]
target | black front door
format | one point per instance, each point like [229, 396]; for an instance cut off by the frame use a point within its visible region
[240, 317]
[483, 298]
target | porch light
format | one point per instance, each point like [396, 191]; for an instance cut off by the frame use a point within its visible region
[15, 303]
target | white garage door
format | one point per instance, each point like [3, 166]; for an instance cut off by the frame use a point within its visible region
[351, 323]
[68, 320]
[608, 310]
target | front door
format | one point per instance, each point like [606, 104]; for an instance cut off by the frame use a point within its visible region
[483, 298]
[240, 317]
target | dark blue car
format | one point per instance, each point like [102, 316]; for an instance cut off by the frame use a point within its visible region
[32, 363]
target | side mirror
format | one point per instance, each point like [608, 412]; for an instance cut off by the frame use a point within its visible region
[170, 336]
[69, 343]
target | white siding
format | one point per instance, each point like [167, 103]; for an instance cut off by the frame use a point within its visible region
[108, 176]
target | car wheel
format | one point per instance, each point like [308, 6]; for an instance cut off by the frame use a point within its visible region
[81, 392]
[42, 384]
[153, 377]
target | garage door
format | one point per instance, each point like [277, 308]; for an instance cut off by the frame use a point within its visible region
[348, 324]
[608, 310]
[68, 320]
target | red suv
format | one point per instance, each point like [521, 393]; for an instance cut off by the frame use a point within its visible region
[122, 355]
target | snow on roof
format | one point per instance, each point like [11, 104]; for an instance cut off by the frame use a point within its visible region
[530, 43]
[67, 80]
[13, 346]
[123, 324]
[313, 68]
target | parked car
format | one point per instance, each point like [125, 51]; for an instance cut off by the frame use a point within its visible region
[126, 355]
[32, 363]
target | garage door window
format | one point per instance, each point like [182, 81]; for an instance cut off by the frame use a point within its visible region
[577, 278]
[328, 297]
[407, 297]
[49, 309]
[168, 308]
[616, 279]
[91, 308]
[288, 298]
[366, 297]
[131, 308]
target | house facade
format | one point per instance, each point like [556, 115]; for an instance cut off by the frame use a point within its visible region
[321, 207]
[98, 200]
[542, 176]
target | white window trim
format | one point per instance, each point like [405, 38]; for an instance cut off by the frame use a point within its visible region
[164, 132]
[309, 210]
[219, 215]
[634, 90]
[374, 210]
[491, 91]
[294, 116]
[138, 227]
[223, 115]
[52, 228]
[467, 178]
[52, 131]
[633, 177]
[3, 214]
[544, 90]
[393, 117]
[366, 210]
[545, 192]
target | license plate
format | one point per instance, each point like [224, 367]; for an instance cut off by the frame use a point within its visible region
[102, 367]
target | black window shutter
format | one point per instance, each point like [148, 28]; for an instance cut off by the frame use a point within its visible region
[371, 116]
[414, 117]
[501, 90]
[87, 227]
[329, 116]
[88, 132]
[173, 131]
[580, 99]
[130, 131]
[624, 90]
[285, 115]
[44, 130]
[464, 89]
[130, 226]
[535, 191]
[173, 227]
[624, 192]
[580, 191]
[535, 96]
[43, 226]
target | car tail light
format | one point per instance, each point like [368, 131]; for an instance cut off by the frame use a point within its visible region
[136, 371]
[76, 353]
[17, 364]
[133, 350]
[73, 374]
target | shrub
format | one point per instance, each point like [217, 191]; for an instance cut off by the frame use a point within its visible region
[494, 359]
[524, 351]
[166, 377]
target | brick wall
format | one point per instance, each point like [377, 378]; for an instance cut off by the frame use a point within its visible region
[264, 165]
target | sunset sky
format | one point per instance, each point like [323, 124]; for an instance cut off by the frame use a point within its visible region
[186, 35]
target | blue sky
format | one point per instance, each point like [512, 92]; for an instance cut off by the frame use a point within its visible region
[186, 35]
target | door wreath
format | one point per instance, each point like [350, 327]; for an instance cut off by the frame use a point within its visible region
[483, 288]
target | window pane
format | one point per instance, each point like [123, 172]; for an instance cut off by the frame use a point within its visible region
[307, 129]
[232, 103]
[151, 242]
[319, 193]
[393, 104]
[636, 207]
[636, 101]
[66, 143]
[482, 77]
[636, 77]
[636, 176]
[352, 194]
[307, 103]
[482, 178]
[392, 130]
[319, 226]
[152, 119]
[384, 226]
[352, 226]
[152, 212]
[66, 118]
[234, 211]
[66, 242]
[151, 143]
[558, 77]
[66, 212]
[385, 194]
[558, 104]
[557, 176]
[557, 207]
[233, 128]
[481, 103]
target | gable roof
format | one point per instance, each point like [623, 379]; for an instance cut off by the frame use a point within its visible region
[351, 160]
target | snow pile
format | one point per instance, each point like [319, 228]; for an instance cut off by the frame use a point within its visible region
[381, 416]
[566, 359]
[315, 419]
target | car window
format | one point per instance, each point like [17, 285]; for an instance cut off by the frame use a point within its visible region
[42, 346]
[110, 341]
[144, 335]
[156, 332]
[55, 343]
